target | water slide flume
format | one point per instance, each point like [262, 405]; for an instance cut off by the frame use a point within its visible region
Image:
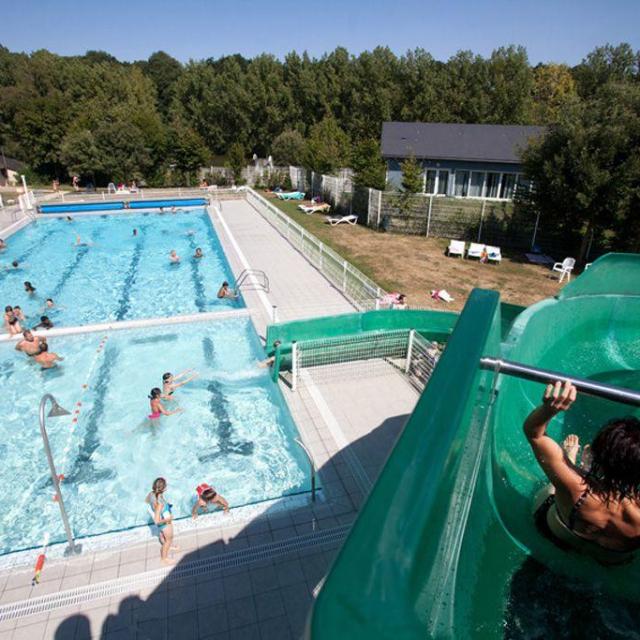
[545, 376]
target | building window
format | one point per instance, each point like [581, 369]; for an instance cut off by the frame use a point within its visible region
[477, 184]
[508, 186]
[436, 182]
[492, 185]
[461, 184]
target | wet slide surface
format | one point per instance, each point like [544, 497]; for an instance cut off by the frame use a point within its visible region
[445, 546]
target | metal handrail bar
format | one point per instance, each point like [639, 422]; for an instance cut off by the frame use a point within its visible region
[545, 376]
[312, 465]
[247, 273]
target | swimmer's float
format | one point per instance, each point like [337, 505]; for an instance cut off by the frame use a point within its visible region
[445, 545]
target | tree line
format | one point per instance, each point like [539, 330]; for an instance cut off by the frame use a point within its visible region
[158, 120]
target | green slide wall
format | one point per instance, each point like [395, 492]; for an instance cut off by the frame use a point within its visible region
[445, 547]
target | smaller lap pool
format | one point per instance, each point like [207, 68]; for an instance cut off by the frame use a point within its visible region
[235, 433]
[114, 275]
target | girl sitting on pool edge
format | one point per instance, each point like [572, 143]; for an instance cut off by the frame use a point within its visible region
[207, 495]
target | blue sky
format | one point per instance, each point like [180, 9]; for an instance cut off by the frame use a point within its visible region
[551, 30]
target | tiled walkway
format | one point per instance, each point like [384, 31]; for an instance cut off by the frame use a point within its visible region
[252, 578]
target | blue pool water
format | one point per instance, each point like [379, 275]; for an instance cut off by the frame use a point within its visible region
[236, 432]
[117, 276]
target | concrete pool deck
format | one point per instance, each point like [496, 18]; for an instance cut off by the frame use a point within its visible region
[249, 576]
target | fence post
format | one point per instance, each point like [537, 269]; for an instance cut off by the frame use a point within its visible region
[484, 202]
[535, 230]
[407, 365]
[288, 226]
[344, 276]
[294, 365]
[369, 207]
[321, 256]
[379, 207]
[429, 215]
[274, 313]
[589, 247]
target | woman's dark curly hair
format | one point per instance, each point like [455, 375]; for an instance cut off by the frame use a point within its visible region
[615, 470]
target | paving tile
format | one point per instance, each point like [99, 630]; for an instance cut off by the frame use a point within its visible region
[237, 585]
[263, 579]
[276, 629]
[61, 629]
[183, 626]
[74, 581]
[250, 632]
[105, 560]
[13, 595]
[289, 572]
[269, 605]
[212, 620]
[103, 574]
[285, 533]
[153, 607]
[241, 612]
[181, 600]
[30, 631]
[210, 593]
[78, 567]
[257, 539]
[151, 630]
[314, 567]
[131, 568]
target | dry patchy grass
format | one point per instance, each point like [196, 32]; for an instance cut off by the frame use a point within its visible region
[415, 265]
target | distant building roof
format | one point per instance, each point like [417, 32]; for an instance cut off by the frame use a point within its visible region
[473, 142]
[10, 163]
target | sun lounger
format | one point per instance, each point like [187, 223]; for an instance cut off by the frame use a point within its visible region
[493, 254]
[315, 208]
[475, 250]
[456, 248]
[291, 195]
[333, 221]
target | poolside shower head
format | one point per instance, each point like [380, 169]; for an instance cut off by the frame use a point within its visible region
[57, 410]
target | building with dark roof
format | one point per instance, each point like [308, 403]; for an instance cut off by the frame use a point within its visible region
[9, 170]
[463, 160]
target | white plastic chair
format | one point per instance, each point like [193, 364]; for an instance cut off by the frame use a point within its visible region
[564, 268]
[493, 254]
[456, 248]
[475, 250]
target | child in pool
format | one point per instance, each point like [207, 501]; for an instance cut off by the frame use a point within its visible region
[170, 382]
[207, 495]
[157, 409]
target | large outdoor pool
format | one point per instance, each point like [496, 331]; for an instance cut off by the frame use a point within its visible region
[113, 274]
[235, 433]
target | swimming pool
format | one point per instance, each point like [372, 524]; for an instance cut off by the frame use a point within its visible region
[114, 274]
[236, 432]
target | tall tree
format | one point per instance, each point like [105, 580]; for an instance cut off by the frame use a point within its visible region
[328, 147]
[236, 161]
[368, 165]
[586, 170]
[289, 148]
[554, 90]
[164, 72]
[412, 176]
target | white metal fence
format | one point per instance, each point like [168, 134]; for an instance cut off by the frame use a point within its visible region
[356, 287]
[366, 354]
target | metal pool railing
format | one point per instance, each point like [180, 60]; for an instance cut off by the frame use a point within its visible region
[360, 290]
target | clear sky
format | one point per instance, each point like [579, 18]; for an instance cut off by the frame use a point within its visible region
[551, 30]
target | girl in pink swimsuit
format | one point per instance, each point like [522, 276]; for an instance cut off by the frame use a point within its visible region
[157, 409]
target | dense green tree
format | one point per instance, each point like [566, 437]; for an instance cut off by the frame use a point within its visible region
[607, 64]
[586, 169]
[368, 165]
[187, 152]
[80, 155]
[554, 90]
[328, 147]
[289, 147]
[412, 176]
[164, 71]
[236, 161]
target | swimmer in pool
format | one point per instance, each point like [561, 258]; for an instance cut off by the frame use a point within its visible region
[198, 253]
[155, 404]
[135, 232]
[170, 382]
[206, 495]
[3, 245]
[29, 288]
[44, 323]
[593, 508]
[17, 312]
[45, 358]
[225, 292]
[8, 315]
[79, 242]
[69, 219]
[29, 344]
[174, 210]
[268, 362]
[174, 258]
[13, 326]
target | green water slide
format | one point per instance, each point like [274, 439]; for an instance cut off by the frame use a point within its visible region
[445, 545]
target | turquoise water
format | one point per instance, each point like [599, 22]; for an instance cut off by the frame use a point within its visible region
[235, 433]
[116, 276]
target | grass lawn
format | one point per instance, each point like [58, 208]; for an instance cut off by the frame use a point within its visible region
[415, 265]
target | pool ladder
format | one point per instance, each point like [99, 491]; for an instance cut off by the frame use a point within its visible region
[253, 279]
